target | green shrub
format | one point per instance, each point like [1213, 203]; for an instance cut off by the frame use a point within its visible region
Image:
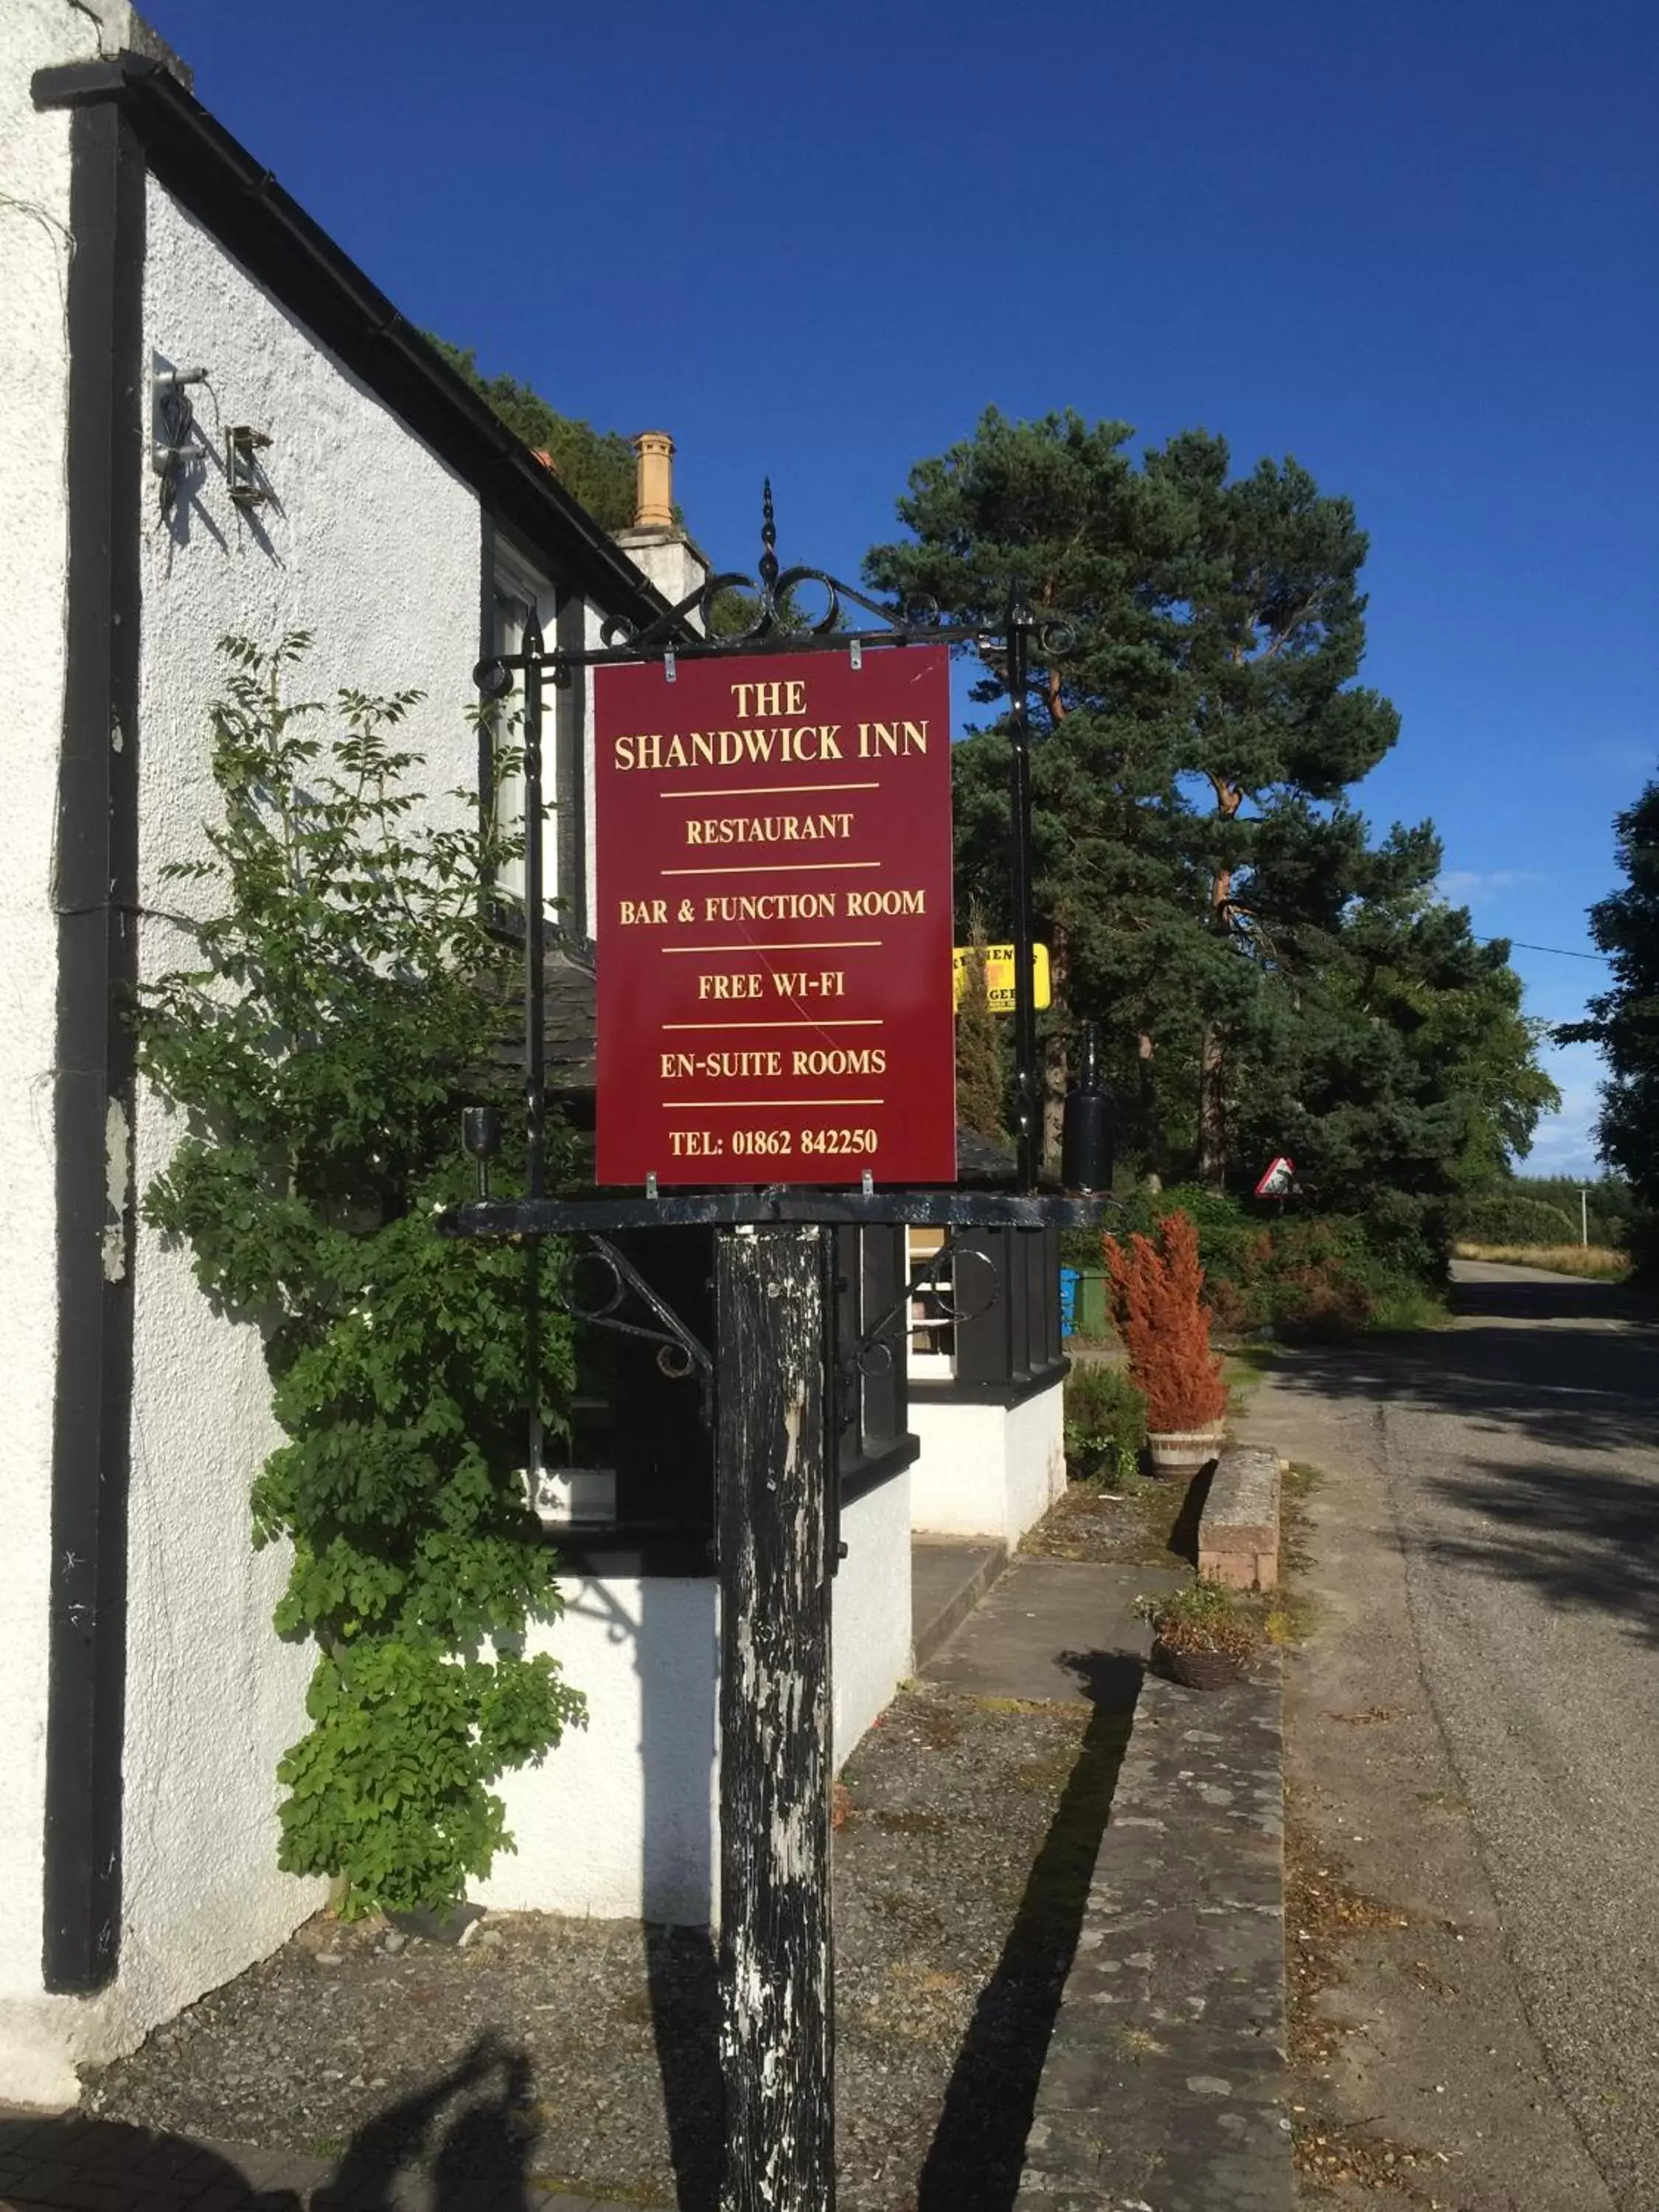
[1604, 1207]
[1642, 1242]
[1507, 1216]
[1314, 1279]
[343, 996]
[1306, 1277]
[1105, 1419]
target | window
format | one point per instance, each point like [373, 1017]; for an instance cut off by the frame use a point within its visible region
[870, 1356]
[985, 1323]
[933, 1331]
[630, 1486]
[516, 591]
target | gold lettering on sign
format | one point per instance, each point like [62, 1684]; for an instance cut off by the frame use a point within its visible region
[843, 1059]
[869, 904]
[790, 744]
[769, 906]
[787, 696]
[898, 739]
[720, 1067]
[810, 983]
[767, 828]
[730, 986]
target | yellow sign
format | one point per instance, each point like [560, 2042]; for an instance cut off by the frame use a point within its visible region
[1000, 974]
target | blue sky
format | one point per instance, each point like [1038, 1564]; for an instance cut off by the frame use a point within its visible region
[1414, 246]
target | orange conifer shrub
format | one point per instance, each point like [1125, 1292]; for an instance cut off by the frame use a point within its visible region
[1158, 1310]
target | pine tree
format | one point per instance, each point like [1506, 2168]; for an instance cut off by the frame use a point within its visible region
[1272, 634]
[1624, 1020]
[1210, 893]
[982, 1072]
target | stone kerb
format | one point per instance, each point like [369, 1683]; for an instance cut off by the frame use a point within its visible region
[1165, 2085]
[1238, 1529]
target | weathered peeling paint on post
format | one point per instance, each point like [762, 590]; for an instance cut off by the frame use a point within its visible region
[771, 1305]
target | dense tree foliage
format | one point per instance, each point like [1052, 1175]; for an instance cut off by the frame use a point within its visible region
[1599, 1208]
[1624, 1020]
[1267, 975]
[596, 466]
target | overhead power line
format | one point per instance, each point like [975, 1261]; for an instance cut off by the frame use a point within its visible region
[1521, 945]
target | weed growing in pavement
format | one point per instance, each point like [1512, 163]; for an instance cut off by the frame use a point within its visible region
[1204, 1616]
[1288, 1619]
[1406, 1307]
[1105, 1426]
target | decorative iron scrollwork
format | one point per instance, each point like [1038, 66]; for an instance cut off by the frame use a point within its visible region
[776, 615]
[688, 629]
[679, 1354]
[936, 1280]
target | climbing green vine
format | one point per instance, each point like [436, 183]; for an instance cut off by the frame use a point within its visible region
[342, 999]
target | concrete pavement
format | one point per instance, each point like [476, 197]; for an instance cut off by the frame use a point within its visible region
[1473, 1752]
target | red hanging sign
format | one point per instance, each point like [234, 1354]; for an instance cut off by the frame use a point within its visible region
[774, 876]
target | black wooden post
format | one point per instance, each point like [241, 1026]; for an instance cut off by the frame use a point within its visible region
[1027, 1089]
[773, 1442]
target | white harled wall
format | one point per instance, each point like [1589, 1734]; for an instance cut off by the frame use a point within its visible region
[872, 1632]
[987, 1470]
[373, 545]
[620, 1820]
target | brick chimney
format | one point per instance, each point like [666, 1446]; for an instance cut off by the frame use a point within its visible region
[653, 481]
[655, 542]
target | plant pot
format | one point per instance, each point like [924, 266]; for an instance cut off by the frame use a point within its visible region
[1183, 1451]
[1198, 1670]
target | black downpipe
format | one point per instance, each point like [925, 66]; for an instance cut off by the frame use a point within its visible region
[94, 894]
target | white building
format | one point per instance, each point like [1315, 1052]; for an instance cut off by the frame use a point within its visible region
[215, 423]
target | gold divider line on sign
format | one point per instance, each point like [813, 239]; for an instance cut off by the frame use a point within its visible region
[798, 944]
[704, 1105]
[775, 868]
[807, 1022]
[766, 790]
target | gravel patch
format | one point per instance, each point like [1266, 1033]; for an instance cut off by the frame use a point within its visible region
[969, 1828]
[1148, 1523]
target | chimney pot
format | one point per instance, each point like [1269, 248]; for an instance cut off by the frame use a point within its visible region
[653, 494]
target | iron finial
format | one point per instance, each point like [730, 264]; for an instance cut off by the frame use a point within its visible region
[769, 560]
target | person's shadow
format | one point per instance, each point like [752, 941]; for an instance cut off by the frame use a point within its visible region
[480, 2158]
[462, 2143]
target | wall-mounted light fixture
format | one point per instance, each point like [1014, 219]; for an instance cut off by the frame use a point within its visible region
[172, 420]
[243, 475]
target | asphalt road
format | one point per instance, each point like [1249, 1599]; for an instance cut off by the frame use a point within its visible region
[1505, 1473]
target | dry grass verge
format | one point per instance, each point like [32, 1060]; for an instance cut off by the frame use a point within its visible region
[1596, 1262]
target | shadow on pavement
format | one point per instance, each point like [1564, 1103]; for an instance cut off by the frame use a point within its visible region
[1555, 1360]
[683, 1976]
[460, 2144]
[1570, 1367]
[479, 2158]
[978, 2149]
[1589, 1541]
